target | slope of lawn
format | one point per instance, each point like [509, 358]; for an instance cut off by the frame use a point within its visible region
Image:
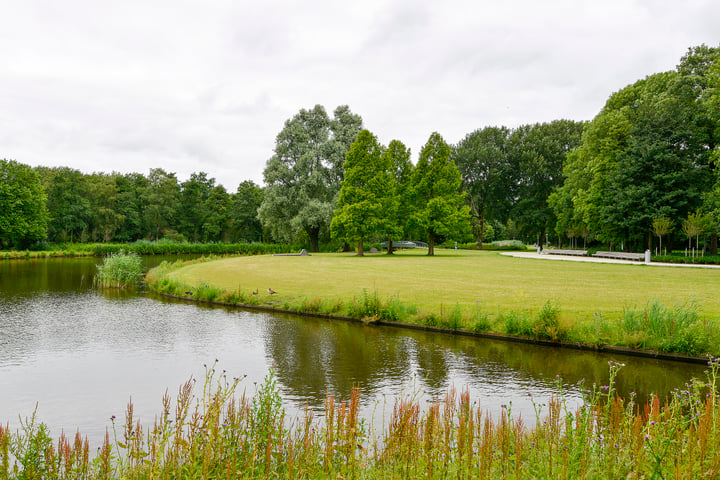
[468, 278]
[649, 307]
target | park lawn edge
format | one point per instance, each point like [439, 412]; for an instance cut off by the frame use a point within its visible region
[207, 294]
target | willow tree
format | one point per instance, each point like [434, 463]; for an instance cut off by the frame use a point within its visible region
[303, 176]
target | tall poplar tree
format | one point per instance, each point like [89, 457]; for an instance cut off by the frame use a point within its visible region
[365, 193]
[397, 205]
[438, 202]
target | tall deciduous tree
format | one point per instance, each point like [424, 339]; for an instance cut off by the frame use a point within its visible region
[439, 203]
[23, 212]
[647, 153]
[68, 205]
[217, 214]
[303, 176]
[245, 223]
[365, 193]
[537, 153]
[482, 159]
[191, 212]
[162, 197]
[397, 205]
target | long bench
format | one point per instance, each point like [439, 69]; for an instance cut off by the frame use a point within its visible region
[621, 255]
[557, 251]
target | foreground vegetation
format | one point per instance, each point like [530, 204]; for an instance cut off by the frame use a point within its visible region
[658, 308]
[214, 434]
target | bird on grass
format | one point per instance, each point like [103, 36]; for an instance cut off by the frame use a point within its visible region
[255, 292]
[271, 291]
[188, 292]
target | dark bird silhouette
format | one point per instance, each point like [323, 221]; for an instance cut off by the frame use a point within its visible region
[271, 291]
[188, 292]
[255, 292]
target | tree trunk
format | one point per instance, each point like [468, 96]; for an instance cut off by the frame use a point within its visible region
[314, 235]
[431, 243]
[360, 248]
[389, 247]
[713, 244]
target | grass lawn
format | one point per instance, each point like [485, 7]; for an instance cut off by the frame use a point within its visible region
[488, 280]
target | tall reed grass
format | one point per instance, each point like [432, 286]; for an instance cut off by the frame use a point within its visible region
[119, 270]
[220, 432]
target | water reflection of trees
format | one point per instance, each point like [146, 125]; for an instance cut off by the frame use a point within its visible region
[316, 356]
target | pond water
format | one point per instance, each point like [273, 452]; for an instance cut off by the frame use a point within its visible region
[77, 356]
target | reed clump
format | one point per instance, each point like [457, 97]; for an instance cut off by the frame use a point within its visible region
[119, 270]
[220, 432]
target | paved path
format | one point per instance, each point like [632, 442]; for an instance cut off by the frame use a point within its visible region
[575, 258]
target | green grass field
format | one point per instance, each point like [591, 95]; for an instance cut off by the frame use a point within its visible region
[489, 280]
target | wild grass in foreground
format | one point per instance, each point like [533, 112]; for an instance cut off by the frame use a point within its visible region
[216, 434]
[119, 270]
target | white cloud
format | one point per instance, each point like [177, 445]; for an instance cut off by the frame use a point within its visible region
[189, 86]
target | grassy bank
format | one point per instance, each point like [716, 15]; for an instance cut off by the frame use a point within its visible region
[667, 309]
[213, 434]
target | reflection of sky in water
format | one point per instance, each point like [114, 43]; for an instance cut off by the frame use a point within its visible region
[80, 356]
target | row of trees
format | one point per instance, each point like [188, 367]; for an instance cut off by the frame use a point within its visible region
[650, 154]
[321, 184]
[65, 205]
[383, 195]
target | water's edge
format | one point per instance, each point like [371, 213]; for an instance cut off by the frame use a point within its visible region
[635, 352]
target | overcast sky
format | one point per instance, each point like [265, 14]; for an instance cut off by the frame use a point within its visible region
[192, 86]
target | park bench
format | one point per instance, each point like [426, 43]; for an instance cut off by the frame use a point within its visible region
[558, 251]
[621, 255]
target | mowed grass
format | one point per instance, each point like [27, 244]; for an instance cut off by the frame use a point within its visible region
[480, 280]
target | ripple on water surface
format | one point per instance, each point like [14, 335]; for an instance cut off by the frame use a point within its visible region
[81, 355]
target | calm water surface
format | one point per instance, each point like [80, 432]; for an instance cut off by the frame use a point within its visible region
[79, 356]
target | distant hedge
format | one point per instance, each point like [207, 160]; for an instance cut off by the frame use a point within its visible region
[179, 248]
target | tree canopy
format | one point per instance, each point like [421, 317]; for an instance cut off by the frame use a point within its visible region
[23, 213]
[365, 193]
[437, 198]
[647, 154]
[303, 176]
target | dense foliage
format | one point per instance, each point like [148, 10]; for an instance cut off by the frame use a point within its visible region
[641, 174]
[303, 176]
[23, 214]
[649, 154]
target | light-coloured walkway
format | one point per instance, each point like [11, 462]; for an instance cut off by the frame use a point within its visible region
[574, 258]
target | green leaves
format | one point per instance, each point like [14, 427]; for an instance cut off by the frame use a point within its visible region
[23, 213]
[366, 192]
[303, 177]
[438, 202]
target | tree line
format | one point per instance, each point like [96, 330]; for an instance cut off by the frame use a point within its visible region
[644, 168]
[65, 205]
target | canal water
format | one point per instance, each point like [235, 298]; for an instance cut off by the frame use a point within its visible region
[76, 356]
